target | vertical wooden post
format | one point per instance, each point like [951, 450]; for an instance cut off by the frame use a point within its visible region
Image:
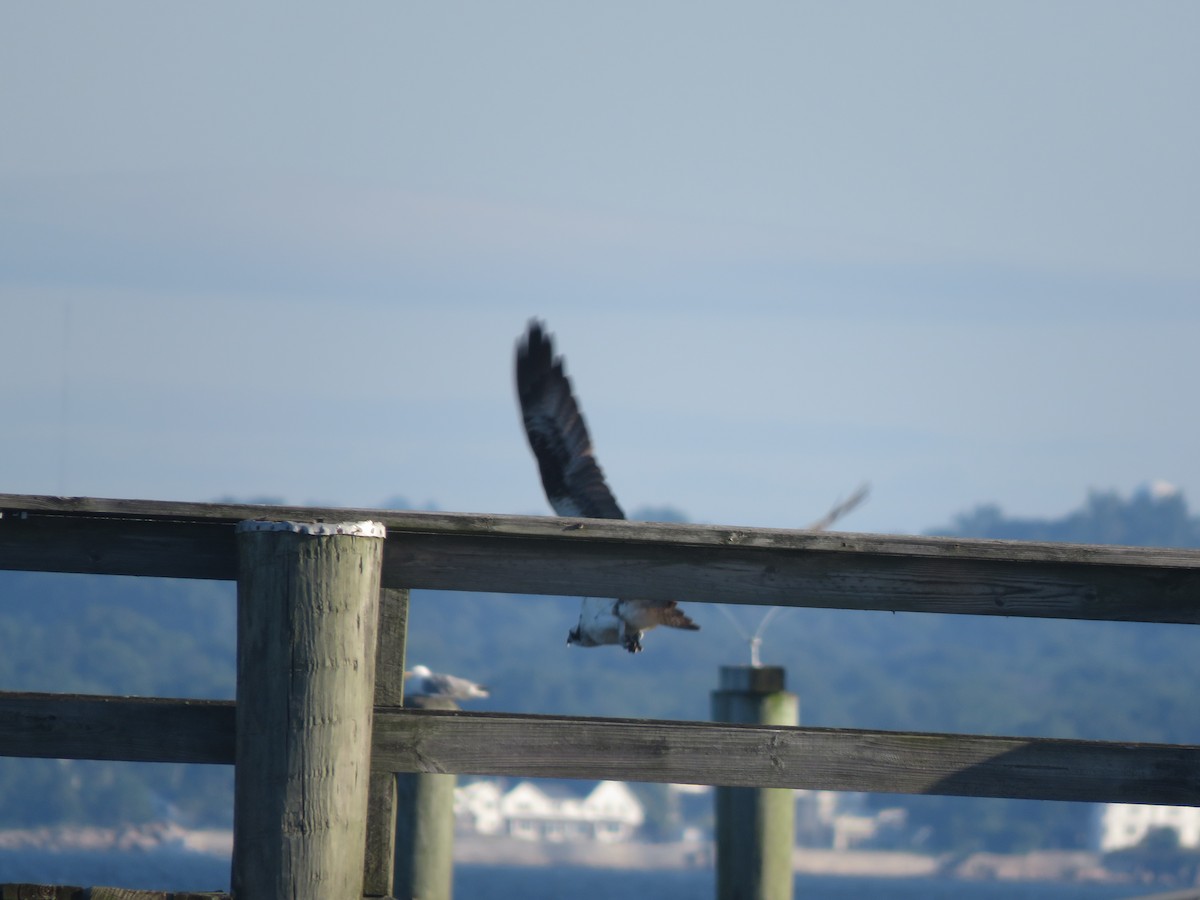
[308, 597]
[389, 691]
[756, 827]
[425, 827]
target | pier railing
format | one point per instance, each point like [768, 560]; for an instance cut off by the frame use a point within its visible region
[575, 557]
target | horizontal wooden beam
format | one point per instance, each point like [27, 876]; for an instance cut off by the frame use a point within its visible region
[573, 557]
[864, 572]
[784, 757]
[72, 892]
[94, 546]
[197, 731]
[127, 729]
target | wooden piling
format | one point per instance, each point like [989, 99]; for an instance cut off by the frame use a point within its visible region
[378, 866]
[424, 868]
[504, 554]
[755, 826]
[308, 596]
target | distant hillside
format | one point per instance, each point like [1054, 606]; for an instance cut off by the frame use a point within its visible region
[1155, 516]
[110, 635]
[852, 669]
[1128, 679]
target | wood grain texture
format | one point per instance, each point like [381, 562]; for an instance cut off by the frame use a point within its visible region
[775, 756]
[424, 865]
[308, 618]
[380, 852]
[168, 549]
[133, 729]
[1059, 585]
[756, 827]
[378, 864]
[82, 727]
[391, 651]
[573, 557]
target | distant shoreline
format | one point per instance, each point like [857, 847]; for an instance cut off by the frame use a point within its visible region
[501, 851]
[1037, 866]
[1076, 866]
[148, 837]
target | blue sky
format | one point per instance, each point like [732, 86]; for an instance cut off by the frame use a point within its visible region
[946, 248]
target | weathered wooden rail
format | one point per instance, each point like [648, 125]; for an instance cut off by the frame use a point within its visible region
[613, 558]
[539, 555]
[135, 729]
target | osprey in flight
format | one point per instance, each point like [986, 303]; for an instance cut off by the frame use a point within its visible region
[575, 486]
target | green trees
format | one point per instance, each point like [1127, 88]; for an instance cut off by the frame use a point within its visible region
[1107, 681]
[1158, 858]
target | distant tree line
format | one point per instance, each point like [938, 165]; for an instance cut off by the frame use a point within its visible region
[983, 675]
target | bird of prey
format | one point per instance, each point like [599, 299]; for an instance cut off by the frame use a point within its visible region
[575, 486]
[420, 682]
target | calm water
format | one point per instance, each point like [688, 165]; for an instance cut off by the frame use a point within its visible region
[182, 871]
[494, 883]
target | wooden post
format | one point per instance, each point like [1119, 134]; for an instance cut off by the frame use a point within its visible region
[425, 827]
[308, 597]
[389, 691]
[756, 827]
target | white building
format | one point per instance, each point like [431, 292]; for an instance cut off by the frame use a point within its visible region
[841, 820]
[549, 811]
[1125, 824]
[477, 808]
[608, 811]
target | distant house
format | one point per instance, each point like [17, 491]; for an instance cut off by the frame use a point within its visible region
[1125, 824]
[842, 821]
[549, 811]
[608, 811]
[477, 808]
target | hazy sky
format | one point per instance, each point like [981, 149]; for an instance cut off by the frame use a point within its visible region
[947, 248]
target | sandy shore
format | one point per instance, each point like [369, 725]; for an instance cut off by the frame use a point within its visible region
[1040, 866]
[503, 851]
[151, 836]
[677, 855]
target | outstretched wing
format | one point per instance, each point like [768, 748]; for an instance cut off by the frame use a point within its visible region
[572, 479]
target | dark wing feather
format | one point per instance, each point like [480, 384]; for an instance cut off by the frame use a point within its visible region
[674, 617]
[573, 481]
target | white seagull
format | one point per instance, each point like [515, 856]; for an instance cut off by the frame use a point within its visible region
[575, 486]
[420, 682]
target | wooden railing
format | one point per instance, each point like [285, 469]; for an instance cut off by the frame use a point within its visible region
[615, 558]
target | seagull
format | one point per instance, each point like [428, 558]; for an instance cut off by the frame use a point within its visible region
[575, 486]
[420, 682]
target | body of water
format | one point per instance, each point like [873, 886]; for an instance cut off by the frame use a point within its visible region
[506, 883]
[173, 870]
